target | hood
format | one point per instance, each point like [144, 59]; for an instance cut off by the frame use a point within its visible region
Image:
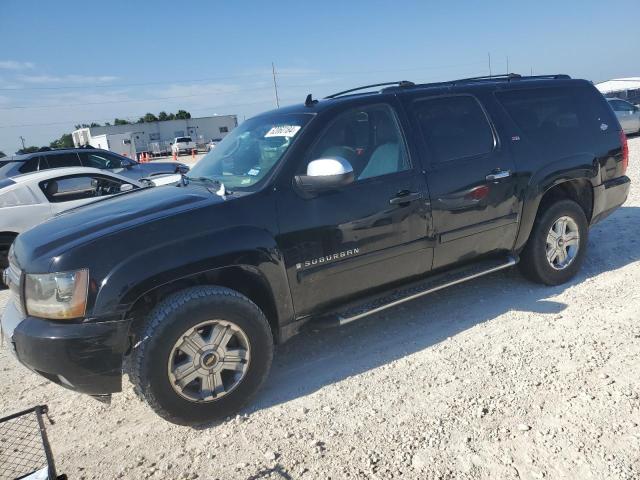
[84, 224]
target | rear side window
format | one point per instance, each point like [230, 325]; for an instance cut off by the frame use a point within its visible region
[32, 165]
[183, 140]
[558, 116]
[63, 160]
[454, 127]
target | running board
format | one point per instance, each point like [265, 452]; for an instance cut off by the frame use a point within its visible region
[415, 290]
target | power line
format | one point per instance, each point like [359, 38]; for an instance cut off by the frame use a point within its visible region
[247, 75]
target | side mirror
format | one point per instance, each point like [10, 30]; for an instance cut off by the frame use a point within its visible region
[126, 187]
[325, 174]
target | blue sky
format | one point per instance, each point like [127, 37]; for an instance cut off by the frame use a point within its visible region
[65, 62]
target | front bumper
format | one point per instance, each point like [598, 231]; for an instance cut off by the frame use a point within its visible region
[84, 357]
[609, 196]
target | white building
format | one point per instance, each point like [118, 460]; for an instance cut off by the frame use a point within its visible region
[625, 88]
[154, 137]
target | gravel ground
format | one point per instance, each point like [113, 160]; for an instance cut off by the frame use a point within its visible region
[496, 378]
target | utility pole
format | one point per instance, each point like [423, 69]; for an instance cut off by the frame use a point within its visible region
[507, 64]
[22, 140]
[275, 85]
[489, 55]
[532, 71]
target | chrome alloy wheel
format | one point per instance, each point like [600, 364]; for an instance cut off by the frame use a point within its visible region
[563, 242]
[209, 360]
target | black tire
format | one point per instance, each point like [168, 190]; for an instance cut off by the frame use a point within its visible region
[533, 259]
[169, 320]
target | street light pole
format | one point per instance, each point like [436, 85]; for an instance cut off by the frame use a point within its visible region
[22, 140]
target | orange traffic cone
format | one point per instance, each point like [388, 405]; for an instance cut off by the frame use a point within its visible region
[175, 157]
[193, 153]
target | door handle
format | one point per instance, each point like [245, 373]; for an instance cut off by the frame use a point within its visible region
[498, 175]
[405, 197]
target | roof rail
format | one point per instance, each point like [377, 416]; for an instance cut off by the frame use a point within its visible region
[401, 83]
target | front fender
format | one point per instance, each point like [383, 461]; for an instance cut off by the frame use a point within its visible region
[163, 263]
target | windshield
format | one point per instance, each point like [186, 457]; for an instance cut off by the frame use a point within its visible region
[250, 151]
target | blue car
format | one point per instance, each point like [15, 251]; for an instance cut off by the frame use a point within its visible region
[85, 157]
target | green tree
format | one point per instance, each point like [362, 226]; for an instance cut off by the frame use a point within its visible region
[30, 149]
[183, 115]
[150, 117]
[172, 116]
[162, 116]
[65, 141]
[120, 121]
[2, 154]
[94, 124]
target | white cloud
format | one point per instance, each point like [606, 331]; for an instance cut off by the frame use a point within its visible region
[69, 79]
[14, 65]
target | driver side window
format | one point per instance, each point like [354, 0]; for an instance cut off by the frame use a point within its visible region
[101, 160]
[80, 187]
[369, 138]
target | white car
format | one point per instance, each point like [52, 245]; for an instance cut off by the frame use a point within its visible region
[29, 199]
[627, 113]
[183, 145]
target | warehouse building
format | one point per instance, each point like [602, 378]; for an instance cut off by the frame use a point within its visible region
[154, 137]
[625, 88]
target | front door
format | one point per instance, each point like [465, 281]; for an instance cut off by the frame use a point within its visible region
[470, 176]
[372, 232]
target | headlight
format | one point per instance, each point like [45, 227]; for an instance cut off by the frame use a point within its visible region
[57, 296]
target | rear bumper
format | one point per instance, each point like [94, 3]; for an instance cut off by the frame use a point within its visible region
[609, 196]
[85, 357]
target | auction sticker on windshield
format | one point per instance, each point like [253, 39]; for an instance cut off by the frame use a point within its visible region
[283, 131]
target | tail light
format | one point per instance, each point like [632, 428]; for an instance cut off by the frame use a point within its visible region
[625, 152]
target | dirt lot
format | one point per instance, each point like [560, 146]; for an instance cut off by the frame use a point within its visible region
[497, 378]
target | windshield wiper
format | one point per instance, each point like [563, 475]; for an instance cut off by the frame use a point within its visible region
[220, 189]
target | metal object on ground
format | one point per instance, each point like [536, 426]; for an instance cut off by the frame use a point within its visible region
[24, 448]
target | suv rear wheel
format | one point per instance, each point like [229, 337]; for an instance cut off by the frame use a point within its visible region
[203, 353]
[557, 244]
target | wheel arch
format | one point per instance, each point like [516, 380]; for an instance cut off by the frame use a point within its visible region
[244, 279]
[578, 189]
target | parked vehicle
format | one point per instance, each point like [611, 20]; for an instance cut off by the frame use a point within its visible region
[213, 144]
[183, 145]
[313, 215]
[85, 157]
[628, 114]
[32, 198]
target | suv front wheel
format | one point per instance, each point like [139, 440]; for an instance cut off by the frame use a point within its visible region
[203, 353]
[557, 244]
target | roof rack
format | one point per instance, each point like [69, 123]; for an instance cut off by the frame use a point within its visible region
[507, 77]
[401, 83]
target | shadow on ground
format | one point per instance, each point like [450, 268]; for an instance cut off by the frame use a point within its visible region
[315, 359]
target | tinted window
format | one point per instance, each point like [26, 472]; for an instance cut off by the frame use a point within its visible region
[558, 116]
[620, 106]
[63, 160]
[78, 187]
[368, 137]
[454, 127]
[31, 165]
[183, 140]
[100, 160]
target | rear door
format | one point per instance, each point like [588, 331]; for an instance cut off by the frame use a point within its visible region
[471, 177]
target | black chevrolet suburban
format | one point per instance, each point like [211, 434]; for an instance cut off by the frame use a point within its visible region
[316, 214]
